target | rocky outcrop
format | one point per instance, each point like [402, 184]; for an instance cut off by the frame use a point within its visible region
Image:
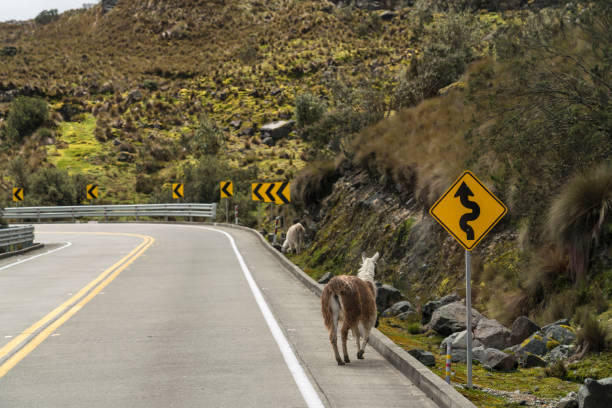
[595, 394]
[398, 308]
[277, 130]
[425, 357]
[386, 296]
[108, 5]
[492, 334]
[564, 334]
[432, 305]
[495, 359]
[451, 318]
[521, 329]
[537, 344]
[562, 352]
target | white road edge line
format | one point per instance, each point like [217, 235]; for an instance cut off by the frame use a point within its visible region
[301, 379]
[67, 244]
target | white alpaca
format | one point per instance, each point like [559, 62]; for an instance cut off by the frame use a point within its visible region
[295, 238]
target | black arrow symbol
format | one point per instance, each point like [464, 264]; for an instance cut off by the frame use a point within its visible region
[280, 193]
[91, 191]
[19, 194]
[224, 189]
[177, 192]
[256, 192]
[269, 193]
[464, 193]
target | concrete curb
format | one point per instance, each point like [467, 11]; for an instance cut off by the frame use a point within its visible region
[21, 251]
[434, 387]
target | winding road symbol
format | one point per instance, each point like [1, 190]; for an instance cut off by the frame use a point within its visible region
[468, 210]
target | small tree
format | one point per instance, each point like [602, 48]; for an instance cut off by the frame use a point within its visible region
[46, 17]
[26, 115]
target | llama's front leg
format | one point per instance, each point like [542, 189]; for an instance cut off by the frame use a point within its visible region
[344, 334]
[357, 338]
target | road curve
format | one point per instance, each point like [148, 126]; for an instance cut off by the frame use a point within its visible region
[159, 315]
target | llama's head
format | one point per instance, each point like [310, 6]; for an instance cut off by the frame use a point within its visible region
[368, 267]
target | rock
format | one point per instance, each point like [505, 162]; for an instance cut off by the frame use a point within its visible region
[451, 318]
[561, 322]
[531, 360]
[277, 130]
[275, 91]
[386, 296]
[325, 278]
[492, 334]
[397, 308]
[568, 403]
[561, 352]
[406, 315]
[268, 141]
[107, 87]
[249, 131]
[108, 5]
[423, 356]
[595, 394]
[127, 147]
[496, 359]
[124, 157]
[236, 124]
[522, 328]
[8, 51]
[458, 341]
[562, 333]
[536, 344]
[134, 96]
[388, 15]
[431, 306]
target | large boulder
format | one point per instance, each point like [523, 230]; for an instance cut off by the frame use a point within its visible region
[424, 357]
[562, 333]
[569, 401]
[386, 295]
[398, 308]
[496, 359]
[277, 130]
[537, 344]
[521, 329]
[492, 333]
[595, 394]
[432, 305]
[458, 341]
[529, 360]
[451, 318]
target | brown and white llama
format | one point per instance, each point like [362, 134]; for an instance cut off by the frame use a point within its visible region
[295, 238]
[351, 299]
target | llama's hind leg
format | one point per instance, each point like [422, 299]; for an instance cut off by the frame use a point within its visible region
[333, 333]
[357, 336]
[344, 333]
[366, 337]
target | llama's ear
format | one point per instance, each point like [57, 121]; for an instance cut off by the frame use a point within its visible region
[363, 257]
[376, 256]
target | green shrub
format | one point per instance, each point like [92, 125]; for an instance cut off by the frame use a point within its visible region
[26, 115]
[52, 186]
[46, 17]
[207, 138]
[308, 109]
[557, 369]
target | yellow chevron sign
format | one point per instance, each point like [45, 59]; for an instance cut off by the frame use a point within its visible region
[92, 191]
[17, 194]
[177, 190]
[278, 193]
[227, 189]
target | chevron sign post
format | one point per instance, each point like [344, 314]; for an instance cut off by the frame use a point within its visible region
[277, 193]
[226, 190]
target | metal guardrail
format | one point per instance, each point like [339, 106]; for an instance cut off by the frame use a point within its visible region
[107, 211]
[15, 238]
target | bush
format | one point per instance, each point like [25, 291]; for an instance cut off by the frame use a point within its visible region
[579, 214]
[557, 370]
[592, 332]
[207, 138]
[314, 182]
[52, 186]
[308, 109]
[26, 115]
[46, 17]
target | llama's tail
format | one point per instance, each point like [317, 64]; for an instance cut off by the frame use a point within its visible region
[330, 304]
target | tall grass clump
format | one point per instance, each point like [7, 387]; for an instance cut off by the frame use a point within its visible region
[26, 115]
[315, 182]
[578, 215]
[308, 109]
[592, 333]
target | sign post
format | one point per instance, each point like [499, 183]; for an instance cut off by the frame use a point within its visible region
[226, 191]
[467, 193]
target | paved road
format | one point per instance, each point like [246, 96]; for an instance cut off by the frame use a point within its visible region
[151, 315]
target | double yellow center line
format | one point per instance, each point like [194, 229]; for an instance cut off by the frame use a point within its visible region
[23, 344]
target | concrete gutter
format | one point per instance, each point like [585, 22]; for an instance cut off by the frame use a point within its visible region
[436, 389]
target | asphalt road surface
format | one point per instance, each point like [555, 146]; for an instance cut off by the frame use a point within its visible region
[158, 315]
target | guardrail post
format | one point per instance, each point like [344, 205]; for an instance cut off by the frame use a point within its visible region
[236, 214]
[448, 362]
[137, 218]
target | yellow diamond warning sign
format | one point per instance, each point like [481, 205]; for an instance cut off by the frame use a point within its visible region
[468, 210]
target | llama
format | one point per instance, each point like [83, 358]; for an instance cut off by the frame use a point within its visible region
[295, 238]
[351, 299]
